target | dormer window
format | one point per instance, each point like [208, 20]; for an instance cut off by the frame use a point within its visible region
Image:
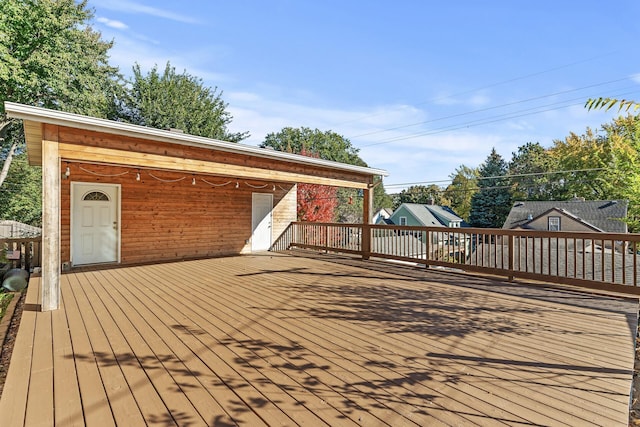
[554, 223]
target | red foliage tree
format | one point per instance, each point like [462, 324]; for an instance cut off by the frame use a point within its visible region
[316, 203]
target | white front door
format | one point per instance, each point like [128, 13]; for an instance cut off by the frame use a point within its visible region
[94, 223]
[262, 206]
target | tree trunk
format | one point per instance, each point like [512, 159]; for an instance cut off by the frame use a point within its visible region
[7, 162]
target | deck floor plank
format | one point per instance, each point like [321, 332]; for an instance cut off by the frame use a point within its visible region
[146, 329]
[141, 368]
[579, 374]
[68, 403]
[96, 407]
[389, 375]
[246, 390]
[318, 352]
[16, 388]
[242, 350]
[318, 340]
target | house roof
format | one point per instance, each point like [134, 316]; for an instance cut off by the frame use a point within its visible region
[33, 116]
[430, 215]
[604, 215]
[443, 213]
[421, 214]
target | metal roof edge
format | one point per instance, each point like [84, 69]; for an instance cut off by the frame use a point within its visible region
[61, 118]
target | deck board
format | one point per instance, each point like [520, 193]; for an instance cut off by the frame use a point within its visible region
[286, 340]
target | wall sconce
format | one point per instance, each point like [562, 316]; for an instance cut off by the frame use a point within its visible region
[67, 172]
[193, 181]
[138, 176]
[237, 184]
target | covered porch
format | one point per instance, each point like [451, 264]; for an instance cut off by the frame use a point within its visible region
[274, 339]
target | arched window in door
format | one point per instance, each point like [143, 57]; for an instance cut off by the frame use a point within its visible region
[96, 196]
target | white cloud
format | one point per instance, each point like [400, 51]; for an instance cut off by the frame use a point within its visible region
[128, 6]
[118, 25]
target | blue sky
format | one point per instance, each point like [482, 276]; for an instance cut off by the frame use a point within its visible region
[420, 87]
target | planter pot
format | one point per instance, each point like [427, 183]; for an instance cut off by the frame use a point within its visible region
[15, 280]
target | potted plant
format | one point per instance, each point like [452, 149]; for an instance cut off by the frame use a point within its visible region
[5, 265]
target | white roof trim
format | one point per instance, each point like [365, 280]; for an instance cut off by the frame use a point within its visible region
[60, 118]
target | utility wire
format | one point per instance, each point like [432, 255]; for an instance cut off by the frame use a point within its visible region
[507, 176]
[490, 85]
[481, 110]
[493, 119]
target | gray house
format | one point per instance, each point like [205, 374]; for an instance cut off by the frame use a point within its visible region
[570, 215]
[415, 214]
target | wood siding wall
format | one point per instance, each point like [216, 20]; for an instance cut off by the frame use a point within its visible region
[103, 140]
[171, 221]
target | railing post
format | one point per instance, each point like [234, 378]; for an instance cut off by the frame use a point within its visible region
[326, 238]
[511, 254]
[367, 211]
[366, 241]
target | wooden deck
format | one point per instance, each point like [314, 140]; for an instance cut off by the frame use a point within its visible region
[286, 340]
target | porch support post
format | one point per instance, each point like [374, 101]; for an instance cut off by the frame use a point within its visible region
[367, 212]
[50, 219]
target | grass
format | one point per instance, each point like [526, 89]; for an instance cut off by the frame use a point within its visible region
[5, 299]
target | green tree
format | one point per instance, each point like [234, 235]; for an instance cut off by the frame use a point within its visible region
[608, 103]
[603, 165]
[464, 183]
[422, 194]
[17, 195]
[329, 145]
[49, 57]
[167, 100]
[531, 174]
[491, 204]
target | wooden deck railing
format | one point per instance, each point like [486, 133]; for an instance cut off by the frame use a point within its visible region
[22, 253]
[596, 260]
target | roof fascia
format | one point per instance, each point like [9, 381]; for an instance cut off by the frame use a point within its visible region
[60, 118]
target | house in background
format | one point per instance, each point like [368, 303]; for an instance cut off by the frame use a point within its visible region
[425, 215]
[570, 215]
[381, 216]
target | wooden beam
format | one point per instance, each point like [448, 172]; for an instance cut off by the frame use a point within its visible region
[153, 161]
[367, 213]
[50, 219]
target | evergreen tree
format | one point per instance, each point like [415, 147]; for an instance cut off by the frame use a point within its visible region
[491, 204]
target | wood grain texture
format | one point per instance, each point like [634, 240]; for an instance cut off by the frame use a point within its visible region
[177, 220]
[318, 340]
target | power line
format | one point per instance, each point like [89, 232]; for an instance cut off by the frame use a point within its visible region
[493, 119]
[507, 176]
[490, 108]
[490, 85]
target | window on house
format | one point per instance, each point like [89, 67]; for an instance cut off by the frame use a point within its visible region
[554, 223]
[403, 220]
[96, 196]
